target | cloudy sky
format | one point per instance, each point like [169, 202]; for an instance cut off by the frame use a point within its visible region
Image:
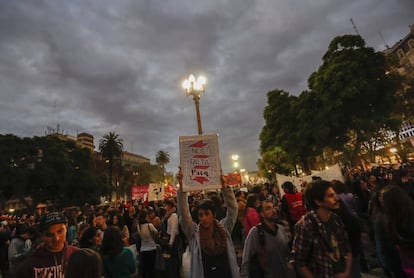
[102, 66]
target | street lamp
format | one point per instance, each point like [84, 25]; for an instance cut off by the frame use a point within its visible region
[195, 87]
[235, 158]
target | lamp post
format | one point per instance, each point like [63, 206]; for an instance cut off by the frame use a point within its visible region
[195, 87]
[235, 159]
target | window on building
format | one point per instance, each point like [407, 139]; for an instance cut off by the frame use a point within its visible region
[400, 53]
[411, 43]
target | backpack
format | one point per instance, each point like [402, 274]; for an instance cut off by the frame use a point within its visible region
[256, 264]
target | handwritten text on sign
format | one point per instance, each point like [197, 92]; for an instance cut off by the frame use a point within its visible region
[200, 162]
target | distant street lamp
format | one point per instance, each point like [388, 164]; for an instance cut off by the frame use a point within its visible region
[235, 159]
[195, 87]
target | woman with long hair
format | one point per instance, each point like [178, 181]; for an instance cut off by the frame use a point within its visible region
[84, 263]
[91, 238]
[251, 216]
[118, 220]
[399, 214]
[118, 260]
[147, 233]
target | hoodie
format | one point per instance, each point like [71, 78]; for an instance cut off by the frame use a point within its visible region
[45, 264]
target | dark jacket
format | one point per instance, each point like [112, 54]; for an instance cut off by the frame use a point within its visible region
[43, 263]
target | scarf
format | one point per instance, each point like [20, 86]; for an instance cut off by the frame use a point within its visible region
[213, 240]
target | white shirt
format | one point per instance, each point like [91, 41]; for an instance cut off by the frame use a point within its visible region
[172, 227]
[145, 231]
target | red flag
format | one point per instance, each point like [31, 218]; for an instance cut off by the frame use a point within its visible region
[233, 179]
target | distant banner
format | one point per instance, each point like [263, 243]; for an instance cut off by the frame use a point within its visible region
[333, 173]
[234, 179]
[170, 191]
[140, 192]
[200, 162]
[156, 192]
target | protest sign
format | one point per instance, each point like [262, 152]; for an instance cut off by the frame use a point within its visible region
[200, 162]
[139, 192]
[155, 192]
[234, 179]
[332, 173]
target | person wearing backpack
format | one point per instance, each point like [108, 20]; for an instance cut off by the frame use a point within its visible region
[266, 251]
[292, 204]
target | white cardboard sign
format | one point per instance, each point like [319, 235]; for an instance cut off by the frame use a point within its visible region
[200, 162]
[156, 192]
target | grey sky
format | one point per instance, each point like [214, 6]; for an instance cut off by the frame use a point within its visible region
[101, 66]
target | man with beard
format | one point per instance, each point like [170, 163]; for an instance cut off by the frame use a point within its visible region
[210, 244]
[267, 246]
[320, 246]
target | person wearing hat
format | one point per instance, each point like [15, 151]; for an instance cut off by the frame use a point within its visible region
[49, 259]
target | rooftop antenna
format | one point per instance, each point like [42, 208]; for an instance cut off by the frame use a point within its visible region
[382, 38]
[54, 112]
[355, 28]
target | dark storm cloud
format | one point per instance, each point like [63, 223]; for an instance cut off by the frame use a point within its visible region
[101, 66]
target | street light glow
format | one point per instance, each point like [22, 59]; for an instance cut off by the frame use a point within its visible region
[195, 87]
[235, 157]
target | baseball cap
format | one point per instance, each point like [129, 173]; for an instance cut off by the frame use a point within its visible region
[51, 219]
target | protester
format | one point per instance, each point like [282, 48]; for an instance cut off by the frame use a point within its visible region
[386, 251]
[100, 221]
[19, 247]
[130, 219]
[320, 246]
[251, 216]
[153, 218]
[399, 217]
[292, 204]
[72, 230]
[118, 260]
[4, 245]
[212, 251]
[147, 233]
[91, 238]
[266, 247]
[170, 235]
[84, 263]
[118, 220]
[51, 256]
[352, 226]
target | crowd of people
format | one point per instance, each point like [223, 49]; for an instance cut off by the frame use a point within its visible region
[319, 229]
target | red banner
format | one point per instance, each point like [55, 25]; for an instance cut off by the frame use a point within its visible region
[234, 179]
[139, 192]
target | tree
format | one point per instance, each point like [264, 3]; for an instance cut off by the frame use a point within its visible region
[285, 129]
[111, 148]
[355, 94]
[47, 169]
[162, 158]
[274, 161]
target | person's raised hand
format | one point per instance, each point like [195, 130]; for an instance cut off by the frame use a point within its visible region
[179, 178]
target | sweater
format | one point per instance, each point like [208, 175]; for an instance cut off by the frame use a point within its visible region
[191, 230]
[43, 263]
[274, 254]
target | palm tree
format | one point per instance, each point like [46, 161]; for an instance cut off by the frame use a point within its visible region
[162, 158]
[111, 147]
